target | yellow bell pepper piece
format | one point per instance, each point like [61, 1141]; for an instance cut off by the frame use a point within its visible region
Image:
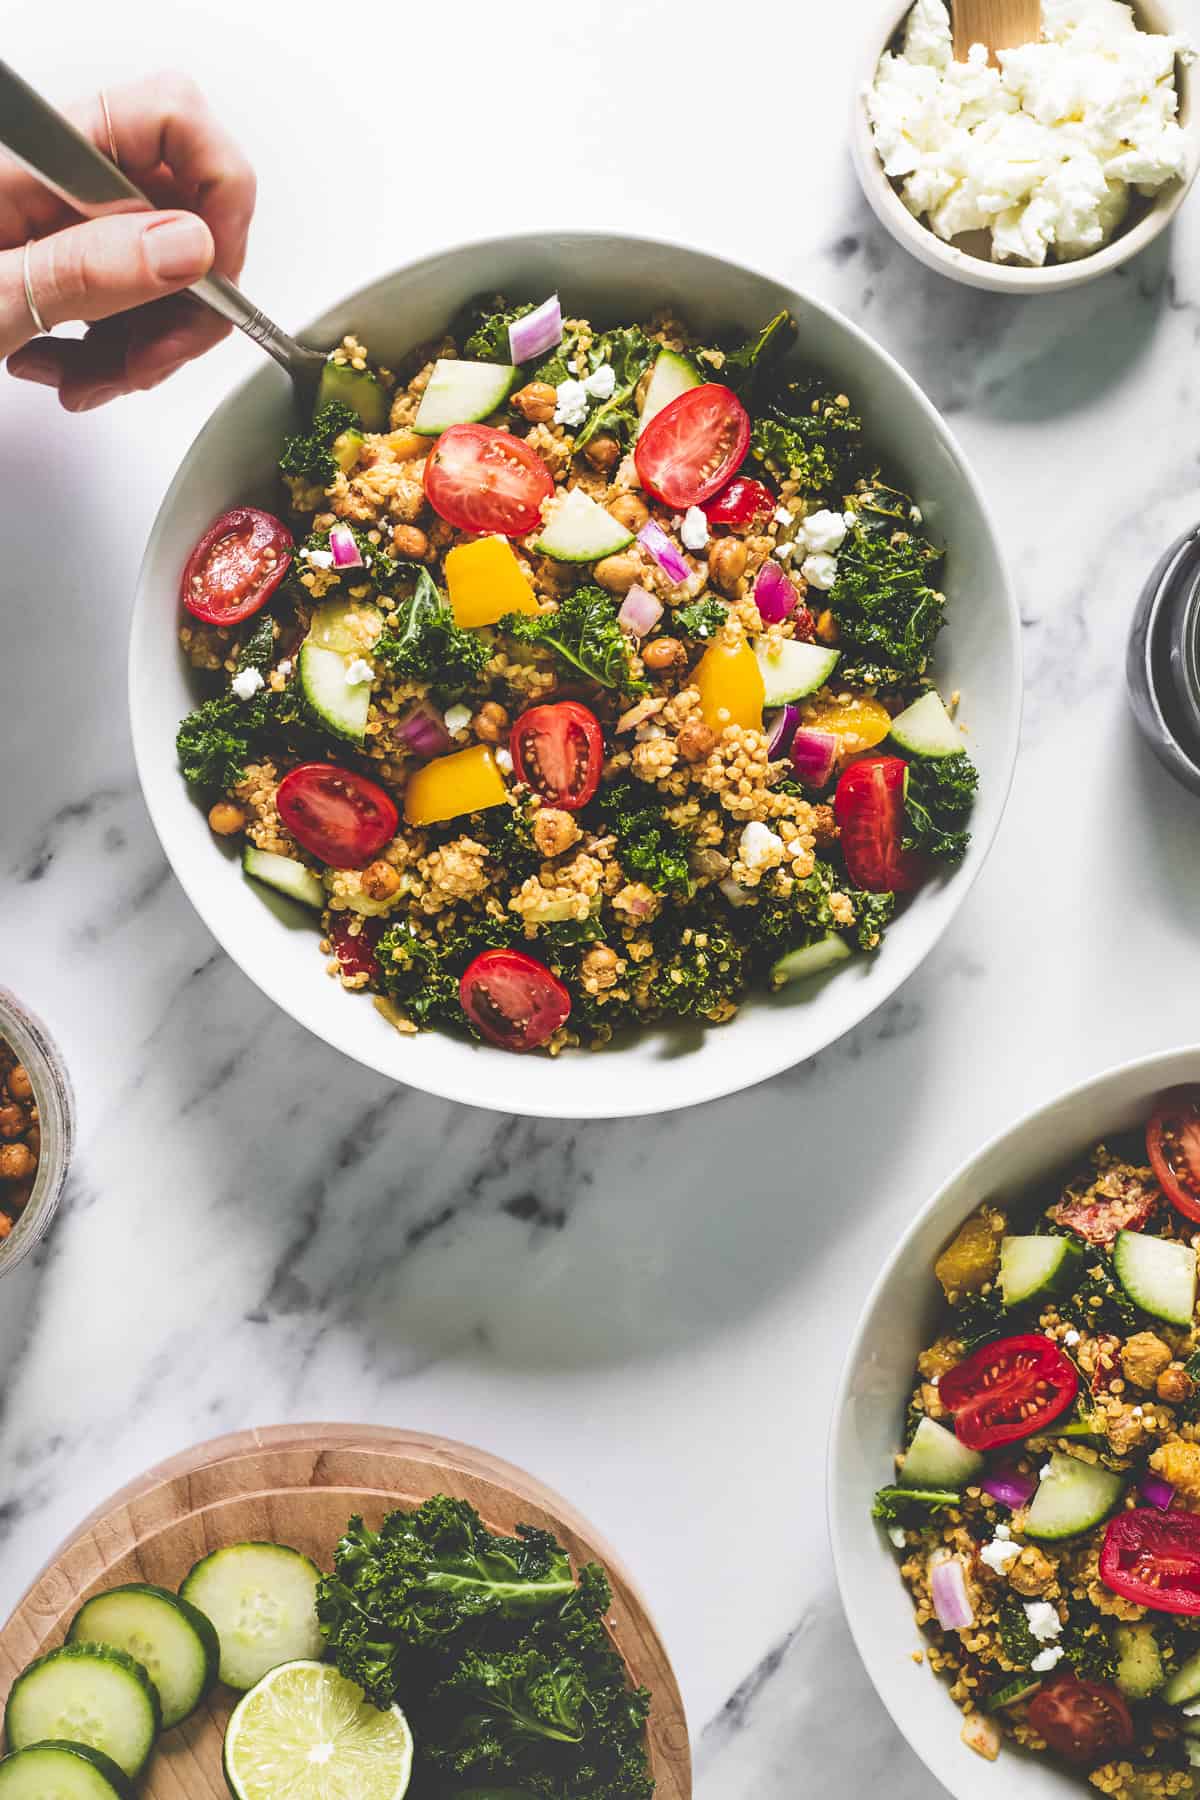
[469, 781]
[858, 724]
[731, 686]
[486, 581]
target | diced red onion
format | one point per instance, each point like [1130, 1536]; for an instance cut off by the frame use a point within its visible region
[653, 538]
[774, 593]
[781, 729]
[948, 1591]
[537, 332]
[1158, 1492]
[423, 731]
[813, 756]
[1009, 1486]
[640, 612]
[734, 892]
[346, 553]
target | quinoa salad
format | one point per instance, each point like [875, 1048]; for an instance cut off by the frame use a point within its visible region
[1046, 1510]
[580, 679]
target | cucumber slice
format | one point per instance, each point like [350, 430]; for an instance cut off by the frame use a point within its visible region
[671, 376]
[1072, 1496]
[794, 670]
[357, 388]
[1139, 1670]
[307, 1732]
[1019, 1688]
[926, 729]
[345, 449]
[1158, 1276]
[88, 1694]
[285, 875]
[1184, 1684]
[936, 1459]
[342, 706]
[461, 392]
[1037, 1265]
[175, 1644]
[262, 1599]
[61, 1771]
[581, 530]
[810, 959]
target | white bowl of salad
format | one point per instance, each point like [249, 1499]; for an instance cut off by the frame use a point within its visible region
[1014, 1481]
[575, 678]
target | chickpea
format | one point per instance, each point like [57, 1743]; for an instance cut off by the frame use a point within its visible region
[603, 451]
[17, 1162]
[824, 827]
[33, 1137]
[380, 881]
[12, 1122]
[490, 723]
[695, 740]
[599, 967]
[19, 1085]
[410, 540]
[726, 562]
[225, 818]
[617, 573]
[630, 510]
[553, 830]
[536, 402]
[661, 652]
[1174, 1385]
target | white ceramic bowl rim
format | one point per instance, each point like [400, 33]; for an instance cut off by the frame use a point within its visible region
[658, 1078]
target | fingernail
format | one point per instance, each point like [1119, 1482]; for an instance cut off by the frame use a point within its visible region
[37, 365]
[178, 248]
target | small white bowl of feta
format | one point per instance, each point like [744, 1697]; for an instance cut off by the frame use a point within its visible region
[1061, 160]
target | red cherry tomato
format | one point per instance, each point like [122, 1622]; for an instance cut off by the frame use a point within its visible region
[1008, 1390]
[483, 480]
[336, 814]
[1082, 1720]
[512, 999]
[869, 809]
[236, 566]
[1173, 1141]
[355, 951]
[691, 448]
[740, 502]
[558, 751]
[1153, 1558]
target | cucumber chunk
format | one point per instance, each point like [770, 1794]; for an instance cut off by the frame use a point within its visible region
[794, 670]
[581, 530]
[1184, 1684]
[262, 1599]
[1072, 1496]
[1159, 1276]
[459, 393]
[1037, 1265]
[671, 376]
[175, 1644]
[1139, 1671]
[88, 1694]
[1019, 1688]
[936, 1459]
[810, 959]
[285, 875]
[926, 729]
[341, 705]
[345, 449]
[61, 1771]
[360, 389]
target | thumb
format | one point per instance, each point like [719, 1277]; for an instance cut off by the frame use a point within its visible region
[101, 267]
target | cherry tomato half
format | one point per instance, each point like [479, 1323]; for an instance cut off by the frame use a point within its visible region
[355, 951]
[740, 502]
[236, 566]
[1173, 1141]
[484, 480]
[1082, 1720]
[1008, 1390]
[558, 751]
[336, 814]
[869, 809]
[512, 999]
[1153, 1558]
[691, 448]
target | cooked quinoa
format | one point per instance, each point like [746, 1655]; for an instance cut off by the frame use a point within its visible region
[704, 858]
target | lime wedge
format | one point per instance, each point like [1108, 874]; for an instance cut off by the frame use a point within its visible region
[308, 1733]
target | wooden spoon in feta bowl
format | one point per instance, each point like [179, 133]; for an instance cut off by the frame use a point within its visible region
[999, 24]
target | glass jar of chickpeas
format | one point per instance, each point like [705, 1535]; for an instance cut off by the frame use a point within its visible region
[37, 1127]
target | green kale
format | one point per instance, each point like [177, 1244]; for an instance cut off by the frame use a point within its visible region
[893, 1505]
[1086, 1644]
[584, 633]
[310, 454]
[881, 507]
[745, 366]
[1192, 1365]
[413, 971]
[381, 568]
[977, 1319]
[701, 618]
[1099, 1303]
[214, 742]
[425, 643]
[488, 341]
[649, 847]
[779, 922]
[630, 353]
[258, 646]
[882, 601]
[938, 797]
[508, 833]
[701, 965]
[808, 434]
[1016, 1639]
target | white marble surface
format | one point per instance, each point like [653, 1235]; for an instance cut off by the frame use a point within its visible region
[652, 1317]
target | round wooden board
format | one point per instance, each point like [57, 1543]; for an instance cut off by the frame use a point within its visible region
[298, 1484]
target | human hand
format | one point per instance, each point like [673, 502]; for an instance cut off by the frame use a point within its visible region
[123, 272]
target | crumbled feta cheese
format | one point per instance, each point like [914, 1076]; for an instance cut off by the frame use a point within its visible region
[759, 846]
[359, 671]
[247, 682]
[457, 718]
[601, 383]
[320, 559]
[1046, 1659]
[998, 1555]
[819, 571]
[572, 406]
[898, 1536]
[503, 760]
[1045, 1470]
[782, 516]
[783, 551]
[285, 667]
[694, 530]
[1002, 1531]
[823, 531]
[1044, 1622]
[1071, 1338]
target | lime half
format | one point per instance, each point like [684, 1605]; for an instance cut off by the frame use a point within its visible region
[306, 1733]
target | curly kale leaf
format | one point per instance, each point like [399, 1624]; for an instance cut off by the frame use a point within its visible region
[978, 1318]
[779, 922]
[746, 365]
[258, 646]
[895, 1505]
[309, 454]
[649, 847]
[1086, 1644]
[808, 434]
[508, 1696]
[214, 742]
[701, 965]
[1192, 1365]
[701, 618]
[1099, 1303]
[488, 341]
[881, 507]
[630, 353]
[938, 797]
[584, 633]
[1016, 1639]
[426, 644]
[881, 598]
[413, 972]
